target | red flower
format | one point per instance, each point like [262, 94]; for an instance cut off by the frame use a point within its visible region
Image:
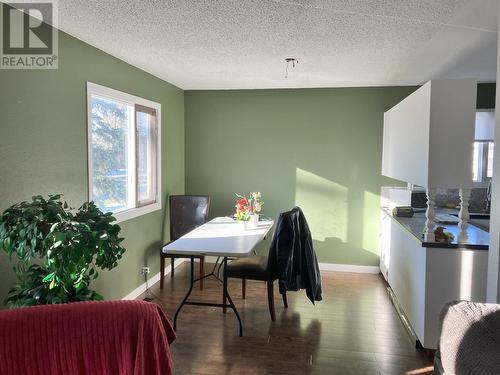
[242, 204]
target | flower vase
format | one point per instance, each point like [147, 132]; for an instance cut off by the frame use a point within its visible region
[255, 220]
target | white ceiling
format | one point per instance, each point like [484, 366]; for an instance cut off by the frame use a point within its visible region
[227, 44]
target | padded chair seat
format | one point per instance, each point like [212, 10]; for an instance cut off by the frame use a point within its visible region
[253, 267]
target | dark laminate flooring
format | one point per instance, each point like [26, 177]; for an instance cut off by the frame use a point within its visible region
[354, 330]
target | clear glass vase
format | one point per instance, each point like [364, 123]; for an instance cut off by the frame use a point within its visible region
[255, 220]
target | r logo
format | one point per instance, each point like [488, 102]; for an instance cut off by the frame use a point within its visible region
[29, 36]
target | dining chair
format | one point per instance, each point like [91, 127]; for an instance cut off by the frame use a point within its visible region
[255, 268]
[259, 268]
[187, 212]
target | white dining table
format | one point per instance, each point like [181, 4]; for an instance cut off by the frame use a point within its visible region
[220, 237]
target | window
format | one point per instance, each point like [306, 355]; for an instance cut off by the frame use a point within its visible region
[124, 152]
[482, 159]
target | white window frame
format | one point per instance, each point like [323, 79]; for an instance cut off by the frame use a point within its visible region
[106, 92]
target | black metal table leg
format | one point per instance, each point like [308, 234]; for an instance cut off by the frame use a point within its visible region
[213, 273]
[187, 295]
[226, 293]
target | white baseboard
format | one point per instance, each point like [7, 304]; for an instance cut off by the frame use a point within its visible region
[151, 281]
[348, 268]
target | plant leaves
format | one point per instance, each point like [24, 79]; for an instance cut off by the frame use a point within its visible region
[56, 251]
[50, 276]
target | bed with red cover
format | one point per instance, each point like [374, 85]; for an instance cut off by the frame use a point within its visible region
[105, 337]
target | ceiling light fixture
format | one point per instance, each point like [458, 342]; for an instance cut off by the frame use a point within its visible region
[290, 61]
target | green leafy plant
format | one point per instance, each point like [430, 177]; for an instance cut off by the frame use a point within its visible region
[56, 251]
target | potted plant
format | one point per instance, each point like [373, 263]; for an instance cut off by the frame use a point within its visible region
[57, 251]
[248, 209]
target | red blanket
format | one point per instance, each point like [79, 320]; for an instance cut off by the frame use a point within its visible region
[108, 337]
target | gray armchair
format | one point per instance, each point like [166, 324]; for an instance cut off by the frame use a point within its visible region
[469, 341]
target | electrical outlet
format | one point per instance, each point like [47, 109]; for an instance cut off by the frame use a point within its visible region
[145, 270]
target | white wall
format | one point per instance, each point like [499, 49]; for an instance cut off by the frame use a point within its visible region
[493, 289]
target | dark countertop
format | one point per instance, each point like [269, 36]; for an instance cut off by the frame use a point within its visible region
[483, 224]
[479, 239]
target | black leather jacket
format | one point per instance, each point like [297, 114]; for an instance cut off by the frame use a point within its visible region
[292, 258]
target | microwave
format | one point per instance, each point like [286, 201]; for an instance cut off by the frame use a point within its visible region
[418, 199]
[413, 196]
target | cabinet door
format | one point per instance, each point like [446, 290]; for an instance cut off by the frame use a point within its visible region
[385, 244]
[407, 276]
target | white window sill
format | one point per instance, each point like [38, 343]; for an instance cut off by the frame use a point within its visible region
[136, 212]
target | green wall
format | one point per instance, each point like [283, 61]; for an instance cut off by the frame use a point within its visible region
[43, 146]
[320, 149]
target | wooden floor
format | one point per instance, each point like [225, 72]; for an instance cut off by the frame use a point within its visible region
[354, 330]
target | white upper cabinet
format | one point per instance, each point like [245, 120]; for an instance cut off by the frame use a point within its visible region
[429, 136]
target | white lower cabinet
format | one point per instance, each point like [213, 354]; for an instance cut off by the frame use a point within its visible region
[424, 279]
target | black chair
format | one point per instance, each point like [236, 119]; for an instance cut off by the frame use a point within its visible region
[258, 268]
[255, 268]
[186, 213]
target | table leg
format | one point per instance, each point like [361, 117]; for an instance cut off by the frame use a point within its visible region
[188, 293]
[224, 286]
[213, 273]
[226, 295]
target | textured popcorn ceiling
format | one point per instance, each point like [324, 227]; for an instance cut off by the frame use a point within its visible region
[217, 44]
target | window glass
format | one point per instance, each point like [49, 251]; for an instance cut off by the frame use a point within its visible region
[482, 158]
[475, 162]
[489, 169]
[110, 164]
[146, 155]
